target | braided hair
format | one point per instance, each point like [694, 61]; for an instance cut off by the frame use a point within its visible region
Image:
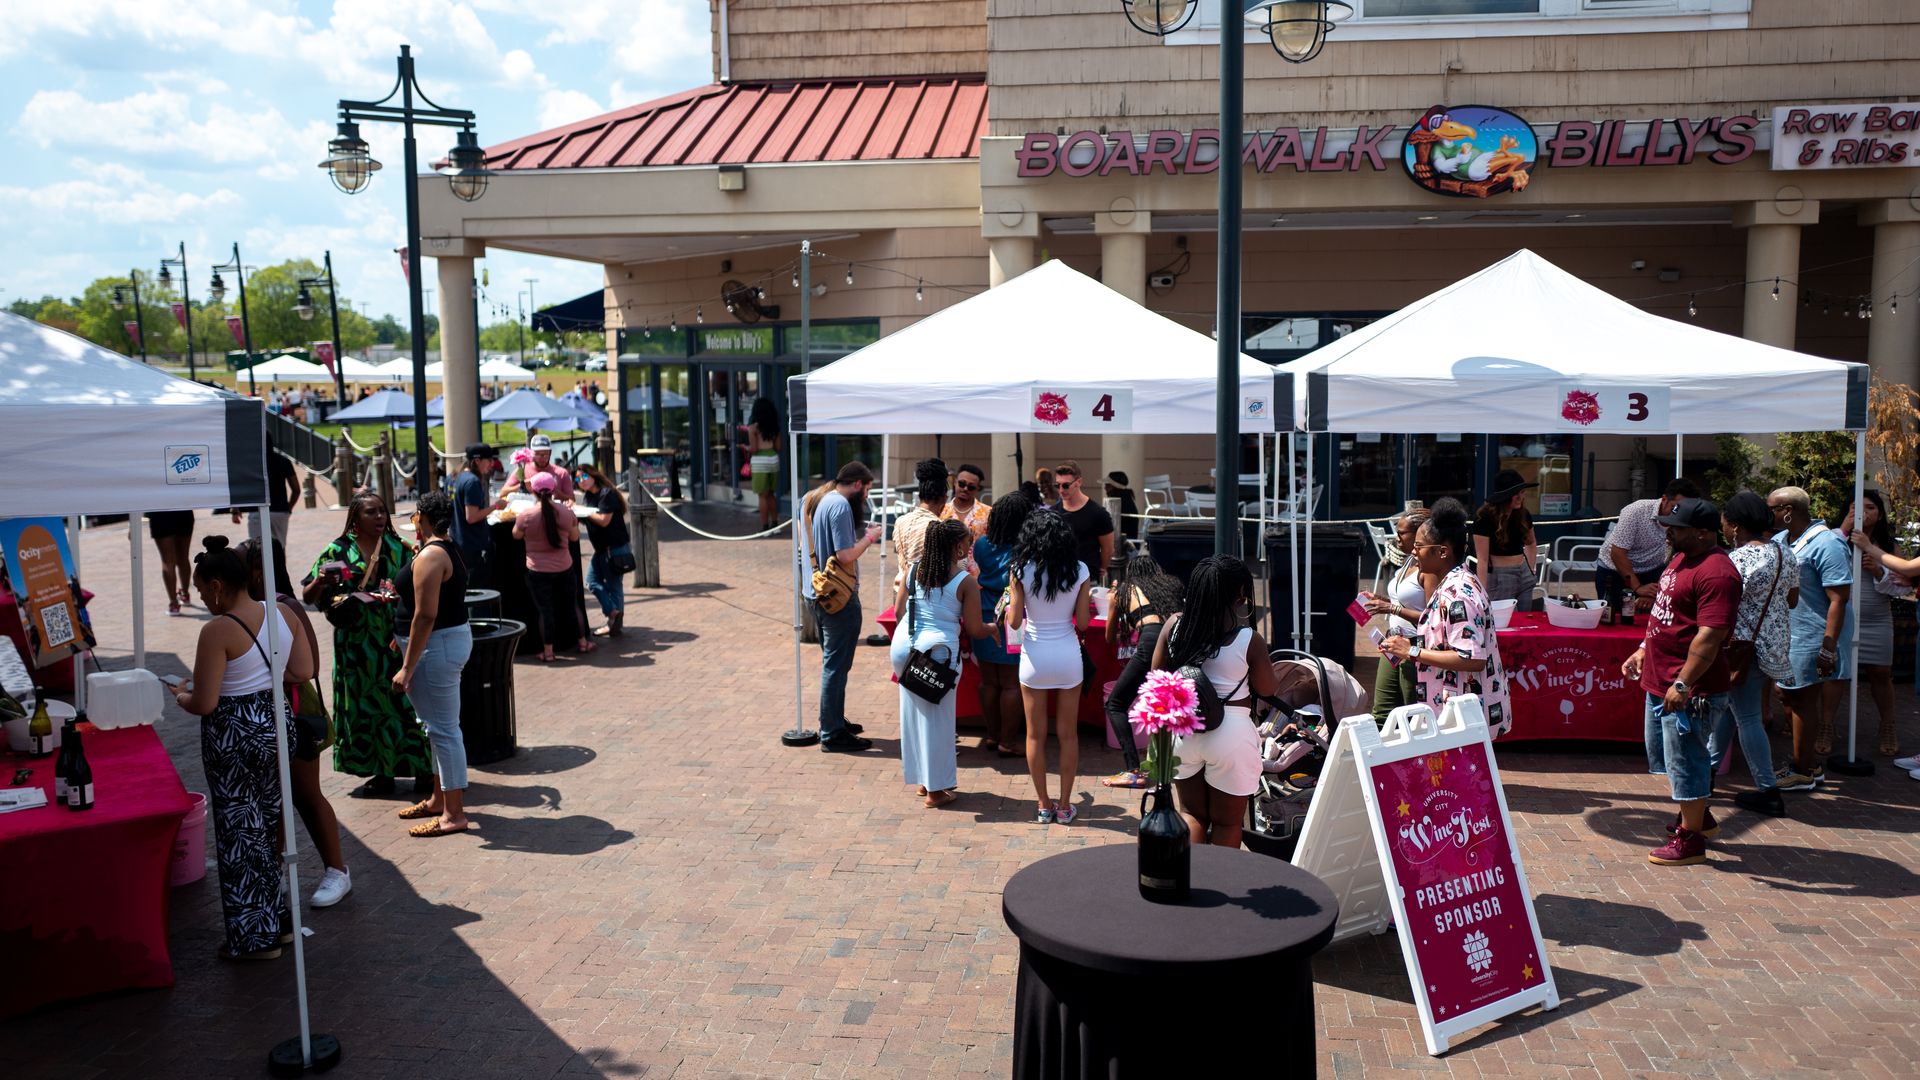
[1163, 591]
[1208, 621]
[1047, 547]
[1010, 511]
[936, 553]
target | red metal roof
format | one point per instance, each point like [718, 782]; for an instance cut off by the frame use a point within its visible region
[759, 123]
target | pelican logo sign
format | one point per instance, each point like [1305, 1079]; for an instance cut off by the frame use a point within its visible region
[1472, 151]
[188, 465]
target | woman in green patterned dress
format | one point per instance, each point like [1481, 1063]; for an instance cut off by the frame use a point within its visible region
[377, 735]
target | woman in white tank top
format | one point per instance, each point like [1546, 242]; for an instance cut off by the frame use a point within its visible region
[1394, 685]
[1219, 769]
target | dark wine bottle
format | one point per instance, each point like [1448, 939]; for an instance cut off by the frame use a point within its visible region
[60, 762]
[79, 775]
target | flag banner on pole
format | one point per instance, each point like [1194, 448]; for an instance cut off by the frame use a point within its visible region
[133, 331]
[323, 352]
[238, 331]
[405, 270]
[180, 314]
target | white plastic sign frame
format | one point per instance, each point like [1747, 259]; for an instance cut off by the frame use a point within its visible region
[1344, 842]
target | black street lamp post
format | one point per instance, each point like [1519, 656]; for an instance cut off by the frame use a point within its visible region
[218, 291]
[1297, 28]
[303, 307]
[139, 325]
[186, 301]
[352, 169]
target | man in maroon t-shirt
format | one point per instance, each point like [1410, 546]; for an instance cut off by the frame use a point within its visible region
[1680, 667]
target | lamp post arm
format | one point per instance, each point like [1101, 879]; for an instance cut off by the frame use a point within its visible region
[339, 359]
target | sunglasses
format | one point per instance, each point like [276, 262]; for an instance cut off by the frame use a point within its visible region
[962, 485]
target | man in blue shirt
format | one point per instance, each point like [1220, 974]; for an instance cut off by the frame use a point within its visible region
[472, 502]
[834, 533]
[1819, 635]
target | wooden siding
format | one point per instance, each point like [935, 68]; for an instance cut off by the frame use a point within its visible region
[1079, 64]
[834, 39]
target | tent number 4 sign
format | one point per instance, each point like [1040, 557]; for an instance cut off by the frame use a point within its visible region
[1082, 408]
[1409, 828]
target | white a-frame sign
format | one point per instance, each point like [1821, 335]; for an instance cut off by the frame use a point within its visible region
[1409, 825]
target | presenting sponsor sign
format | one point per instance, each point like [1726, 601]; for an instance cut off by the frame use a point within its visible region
[1846, 136]
[39, 568]
[1595, 407]
[1082, 408]
[1409, 828]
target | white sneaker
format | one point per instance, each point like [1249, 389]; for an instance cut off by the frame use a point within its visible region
[1907, 763]
[1915, 773]
[334, 887]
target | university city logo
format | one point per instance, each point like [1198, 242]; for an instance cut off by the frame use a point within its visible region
[188, 464]
[1479, 956]
[1470, 151]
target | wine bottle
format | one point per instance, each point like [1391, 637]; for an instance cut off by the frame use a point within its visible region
[79, 775]
[60, 762]
[40, 731]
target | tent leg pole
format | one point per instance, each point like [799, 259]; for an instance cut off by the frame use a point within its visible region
[1851, 765]
[137, 558]
[798, 735]
[886, 526]
[1293, 540]
[1308, 608]
[79, 647]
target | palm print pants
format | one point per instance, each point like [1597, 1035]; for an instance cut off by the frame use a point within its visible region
[243, 777]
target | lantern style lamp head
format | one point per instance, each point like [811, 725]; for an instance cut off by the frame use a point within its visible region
[166, 278]
[119, 297]
[1159, 17]
[1298, 28]
[303, 305]
[466, 170]
[217, 289]
[349, 162]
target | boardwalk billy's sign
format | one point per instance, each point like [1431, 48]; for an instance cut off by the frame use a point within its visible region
[1480, 164]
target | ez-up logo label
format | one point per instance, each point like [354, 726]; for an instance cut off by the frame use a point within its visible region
[188, 465]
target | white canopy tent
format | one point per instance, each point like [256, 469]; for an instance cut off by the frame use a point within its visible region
[1524, 346]
[287, 368]
[152, 442]
[355, 370]
[1052, 350]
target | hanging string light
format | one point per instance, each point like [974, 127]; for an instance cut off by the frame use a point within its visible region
[920, 290]
[1893, 306]
[796, 279]
[1692, 309]
[1776, 288]
[673, 325]
[849, 273]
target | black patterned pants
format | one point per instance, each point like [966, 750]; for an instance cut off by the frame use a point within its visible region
[243, 777]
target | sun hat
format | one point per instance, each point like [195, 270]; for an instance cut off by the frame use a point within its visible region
[1506, 484]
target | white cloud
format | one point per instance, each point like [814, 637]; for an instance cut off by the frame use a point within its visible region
[559, 107]
[159, 125]
[109, 194]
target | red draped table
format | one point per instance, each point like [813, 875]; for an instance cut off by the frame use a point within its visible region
[1106, 665]
[83, 896]
[1566, 684]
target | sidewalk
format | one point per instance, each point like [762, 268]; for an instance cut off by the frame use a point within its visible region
[658, 888]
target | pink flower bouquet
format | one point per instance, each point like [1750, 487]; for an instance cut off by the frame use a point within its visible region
[1166, 706]
[522, 456]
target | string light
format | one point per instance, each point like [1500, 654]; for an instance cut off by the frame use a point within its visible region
[1826, 307]
[699, 316]
[646, 330]
[1893, 306]
[673, 326]
[1692, 310]
[796, 279]
[849, 273]
[1866, 309]
[920, 290]
[1776, 288]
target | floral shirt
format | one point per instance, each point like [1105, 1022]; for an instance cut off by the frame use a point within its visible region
[1459, 617]
[1768, 632]
[975, 519]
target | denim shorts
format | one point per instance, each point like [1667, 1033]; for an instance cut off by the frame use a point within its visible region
[1684, 756]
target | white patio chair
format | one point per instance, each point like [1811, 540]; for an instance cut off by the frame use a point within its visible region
[1571, 555]
[1157, 491]
[1196, 503]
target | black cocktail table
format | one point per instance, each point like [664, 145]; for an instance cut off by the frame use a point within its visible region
[1111, 985]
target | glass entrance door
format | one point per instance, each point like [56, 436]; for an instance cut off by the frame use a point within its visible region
[730, 396]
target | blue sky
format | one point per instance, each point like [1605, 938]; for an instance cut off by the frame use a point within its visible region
[136, 124]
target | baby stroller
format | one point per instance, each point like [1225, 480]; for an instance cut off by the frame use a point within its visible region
[1296, 727]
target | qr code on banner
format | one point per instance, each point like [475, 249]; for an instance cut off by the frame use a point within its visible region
[59, 626]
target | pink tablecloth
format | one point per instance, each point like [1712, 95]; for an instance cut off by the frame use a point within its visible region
[1567, 683]
[83, 895]
[1107, 667]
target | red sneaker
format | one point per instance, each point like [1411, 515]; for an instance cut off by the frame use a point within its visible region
[1686, 848]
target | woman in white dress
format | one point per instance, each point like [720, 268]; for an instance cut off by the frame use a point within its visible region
[937, 598]
[1050, 596]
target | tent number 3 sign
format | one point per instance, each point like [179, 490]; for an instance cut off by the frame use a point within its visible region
[1600, 407]
[1082, 408]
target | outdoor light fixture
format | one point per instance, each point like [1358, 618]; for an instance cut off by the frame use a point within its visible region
[349, 161]
[303, 305]
[466, 170]
[733, 178]
[166, 277]
[217, 289]
[185, 313]
[1158, 17]
[1298, 28]
[119, 297]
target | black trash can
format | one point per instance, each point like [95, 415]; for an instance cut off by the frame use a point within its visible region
[483, 603]
[1179, 545]
[487, 721]
[1336, 581]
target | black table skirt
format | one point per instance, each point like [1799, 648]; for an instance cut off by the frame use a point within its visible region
[1113, 986]
[507, 571]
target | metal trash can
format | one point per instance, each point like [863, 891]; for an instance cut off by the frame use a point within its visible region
[483, 603]
[1180, 544]
[487, 720]
[1336, 580]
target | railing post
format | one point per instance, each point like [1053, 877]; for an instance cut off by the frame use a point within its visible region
[383, 471]
[343, 463]
[309, 492]
[643, 522]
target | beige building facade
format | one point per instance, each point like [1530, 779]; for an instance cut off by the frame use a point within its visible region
[1746, 164]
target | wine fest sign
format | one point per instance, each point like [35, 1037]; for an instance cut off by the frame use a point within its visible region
[1409, 828]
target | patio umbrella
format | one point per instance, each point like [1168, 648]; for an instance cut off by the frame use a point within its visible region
[381, 406]
[592, 417]
[531, 409]
[640, 399]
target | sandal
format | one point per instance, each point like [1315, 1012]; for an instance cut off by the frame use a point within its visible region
[437, 828]
[921, 791]
[938, 799]
[418, 810]
[1131, 779]
[586, 646]
[1004, 752]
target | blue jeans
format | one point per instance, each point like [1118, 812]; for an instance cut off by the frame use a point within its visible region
[1677, 743]
[839, 637]
[435, 694]
[1745, 716]
[605, 584]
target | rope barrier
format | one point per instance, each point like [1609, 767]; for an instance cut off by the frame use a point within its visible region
[697, 531]
[356, 447]
[1320, 522]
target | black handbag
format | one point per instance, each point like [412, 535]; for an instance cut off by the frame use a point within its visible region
[928, 675]
[620, 560]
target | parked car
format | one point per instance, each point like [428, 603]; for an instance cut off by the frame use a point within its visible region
[598, 363]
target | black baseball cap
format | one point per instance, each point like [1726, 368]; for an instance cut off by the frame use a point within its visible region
[1692, 514]
[479, 450]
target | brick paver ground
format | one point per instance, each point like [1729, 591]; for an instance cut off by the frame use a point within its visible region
[657, 888]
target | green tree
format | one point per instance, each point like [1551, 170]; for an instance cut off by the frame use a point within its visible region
[101, 323]
[1733, 471]
[1821, 462]
[30, 309]
[60, 313]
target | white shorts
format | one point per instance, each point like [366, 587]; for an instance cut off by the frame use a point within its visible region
[1230, 754]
